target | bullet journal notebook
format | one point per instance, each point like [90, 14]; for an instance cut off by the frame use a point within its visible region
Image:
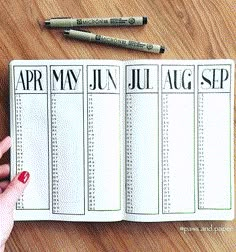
[107, 140]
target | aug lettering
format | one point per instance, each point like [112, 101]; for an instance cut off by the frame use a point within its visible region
[29, 80]
[214, 78]
[178, 79]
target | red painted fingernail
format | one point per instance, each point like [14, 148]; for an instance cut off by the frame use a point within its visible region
[23, 177]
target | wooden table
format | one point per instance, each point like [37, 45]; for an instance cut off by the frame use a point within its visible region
[190, 29]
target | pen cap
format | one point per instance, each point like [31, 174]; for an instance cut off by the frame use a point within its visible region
[58, 22]
[82, 35]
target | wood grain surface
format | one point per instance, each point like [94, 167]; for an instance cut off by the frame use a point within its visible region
[190, 29]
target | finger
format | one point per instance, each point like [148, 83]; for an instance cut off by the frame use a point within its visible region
[4, 171]
[15, 189]
[5, 144]
[4, 184]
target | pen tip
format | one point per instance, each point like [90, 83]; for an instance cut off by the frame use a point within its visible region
[47, 23]
[144, 20]
[162, 49]
[66, 32]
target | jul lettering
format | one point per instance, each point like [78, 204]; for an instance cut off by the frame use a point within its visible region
[140, 79]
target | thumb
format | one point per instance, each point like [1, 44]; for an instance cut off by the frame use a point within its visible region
[15, 189]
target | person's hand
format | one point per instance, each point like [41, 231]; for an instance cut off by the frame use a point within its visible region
[9, 194]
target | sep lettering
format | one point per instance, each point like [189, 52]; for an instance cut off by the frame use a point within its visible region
[214, 78]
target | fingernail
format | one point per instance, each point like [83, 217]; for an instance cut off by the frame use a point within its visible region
[23, 177]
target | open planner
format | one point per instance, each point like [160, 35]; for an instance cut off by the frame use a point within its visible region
[109, 140]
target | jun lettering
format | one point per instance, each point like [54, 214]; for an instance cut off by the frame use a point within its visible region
[103, 79]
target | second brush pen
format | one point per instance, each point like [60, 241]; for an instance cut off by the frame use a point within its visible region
[130, 44]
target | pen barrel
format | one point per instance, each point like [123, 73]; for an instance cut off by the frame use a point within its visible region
[80, 22]
[130, 44]
[113, 21]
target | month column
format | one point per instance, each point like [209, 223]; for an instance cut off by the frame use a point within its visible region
[214, 137]
[32, 133]
[103, 113]
[67, 136]
[141, 143]
[178, 138]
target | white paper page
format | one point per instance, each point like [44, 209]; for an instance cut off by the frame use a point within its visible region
[68, 137]
[194, 142]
